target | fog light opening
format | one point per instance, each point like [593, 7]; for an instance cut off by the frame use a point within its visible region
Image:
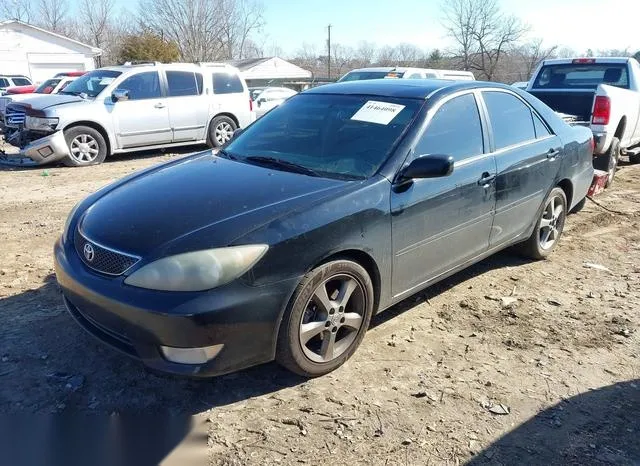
[190, 355]
[45, 151]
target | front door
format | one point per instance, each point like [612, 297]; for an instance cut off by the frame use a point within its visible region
[143, 119]
[440, 223]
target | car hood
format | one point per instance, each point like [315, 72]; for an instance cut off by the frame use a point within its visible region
[44, 101]
[201, 202]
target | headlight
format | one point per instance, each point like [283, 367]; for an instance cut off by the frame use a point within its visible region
[67, 224]
[199, 270]
[40, 124]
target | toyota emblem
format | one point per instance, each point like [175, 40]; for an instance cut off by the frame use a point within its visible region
[89, 252]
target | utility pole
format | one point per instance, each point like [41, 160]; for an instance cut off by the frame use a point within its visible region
[329, 54]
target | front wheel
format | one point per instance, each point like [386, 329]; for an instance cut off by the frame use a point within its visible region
[548, 228]
[326, 319]
[86, 146]
[221, 130]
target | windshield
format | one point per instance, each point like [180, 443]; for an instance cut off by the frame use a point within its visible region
[341, 136]
[91, 84]
[363, 75]
[587, 76]
[21, 82]
[50, 84]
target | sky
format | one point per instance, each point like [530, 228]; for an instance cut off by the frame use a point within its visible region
[577, 24]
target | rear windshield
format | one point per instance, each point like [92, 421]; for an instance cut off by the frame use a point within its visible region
[91, 84]
[363, 75]
[338, 136]
[49, 83]
[584, 76]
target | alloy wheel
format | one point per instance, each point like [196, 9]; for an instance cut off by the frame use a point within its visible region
[551, 223]
[223, 132]
[84, 148]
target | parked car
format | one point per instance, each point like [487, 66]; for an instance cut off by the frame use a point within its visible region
[270, 98]
[405, 73]
[600, 93]
[522, 85]
[255, 92]
[361, 194]
[23, 93]
[132, 107]
[11, 80]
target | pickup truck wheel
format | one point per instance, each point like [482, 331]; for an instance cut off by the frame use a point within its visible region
[549, 227]
[635, 158]
[86, 147]
[221, 130]
[609, 161]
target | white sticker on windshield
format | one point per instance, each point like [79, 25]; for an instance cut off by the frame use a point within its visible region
[106, 81]
[377, 112]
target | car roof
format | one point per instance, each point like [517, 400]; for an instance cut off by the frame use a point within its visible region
[408, 88]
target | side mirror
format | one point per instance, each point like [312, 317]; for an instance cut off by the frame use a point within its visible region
[427, 166]
[120, 95]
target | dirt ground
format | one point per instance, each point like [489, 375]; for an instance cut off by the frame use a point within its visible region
[454, 374]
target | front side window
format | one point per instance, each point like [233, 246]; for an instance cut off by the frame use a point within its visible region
[338, 136]
[92, 83]
[141, 86]
[510, 118]
[227, 83]
[455, 130]
[182, 83]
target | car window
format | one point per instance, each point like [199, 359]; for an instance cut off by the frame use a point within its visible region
[582, 76]
[227, 83]
[199, 82]
[4, 82]
[415, 76]
[336, 135]
[142, 86]
[510, 119]
[21, 82]
[92, 83]
[454, 130]
[182, 83]
[49, 84]
[541, 129]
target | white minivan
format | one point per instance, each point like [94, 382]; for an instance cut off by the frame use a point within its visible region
[406, 73]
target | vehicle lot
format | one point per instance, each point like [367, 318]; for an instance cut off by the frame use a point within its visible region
[422, 387]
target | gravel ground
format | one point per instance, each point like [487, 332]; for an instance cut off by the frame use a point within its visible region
[457, 373]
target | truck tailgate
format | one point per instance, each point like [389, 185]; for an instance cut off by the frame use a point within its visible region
[579, 104]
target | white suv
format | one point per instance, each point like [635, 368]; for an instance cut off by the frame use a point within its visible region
[132, 107]
[406, 73]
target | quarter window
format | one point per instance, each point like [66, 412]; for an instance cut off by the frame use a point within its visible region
[454, 130]
[226, 83]
[182, 83]
[511, 119]
[142, 86]
[541, 129]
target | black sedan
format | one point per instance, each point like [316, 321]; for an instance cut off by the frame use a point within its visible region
[334, 206]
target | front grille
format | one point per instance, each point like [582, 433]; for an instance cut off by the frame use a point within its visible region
[14, 116]
[102, 259]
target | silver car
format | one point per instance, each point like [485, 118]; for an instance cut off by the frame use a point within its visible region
[132, 107]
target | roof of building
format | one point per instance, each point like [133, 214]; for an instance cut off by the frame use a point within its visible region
[269, 68]
[94, 50]
[247, 63]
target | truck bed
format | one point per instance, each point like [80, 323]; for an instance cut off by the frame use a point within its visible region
[578, 104]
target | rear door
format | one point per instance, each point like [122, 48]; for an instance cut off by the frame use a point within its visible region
[231, 96]
[527, 155]
[143, 119]
[440, 223]
[188, 106]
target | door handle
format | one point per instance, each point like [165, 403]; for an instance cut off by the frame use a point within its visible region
[486, 179]
[553, 153]
[159, 105]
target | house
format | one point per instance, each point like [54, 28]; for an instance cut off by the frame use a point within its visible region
[272, 71]
[39, 54]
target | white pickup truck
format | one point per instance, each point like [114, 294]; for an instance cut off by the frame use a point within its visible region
[601, 93]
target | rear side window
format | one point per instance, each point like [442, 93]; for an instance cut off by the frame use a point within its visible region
[227, 83]
[141, 86]
[510, 119]
[454, 130]
[182, 83]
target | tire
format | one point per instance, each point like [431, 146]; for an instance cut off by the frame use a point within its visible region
[536, 247]
[221, 130]
[579, 206]
[335, 326]
[86, 147]
[609, 161]
[634, 158]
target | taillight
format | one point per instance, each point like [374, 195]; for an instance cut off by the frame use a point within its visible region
[250, 104]
[601, 110]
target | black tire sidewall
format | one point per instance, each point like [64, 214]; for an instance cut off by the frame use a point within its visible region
[71, 133]
[543, 253]
[289, 350]
[211, 134]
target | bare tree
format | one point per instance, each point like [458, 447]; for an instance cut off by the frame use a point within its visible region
[388, 56]
[307, 57]
[52, 15]
[483, 34]
[365, 54]
[408, 54]
[21, 10]
[240, 18]
[342, 57]
[530, 55]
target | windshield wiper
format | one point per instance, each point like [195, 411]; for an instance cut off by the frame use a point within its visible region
[82, 95]
[279, 163]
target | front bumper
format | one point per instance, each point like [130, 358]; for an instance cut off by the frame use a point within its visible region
[137, 322]
[46, 149]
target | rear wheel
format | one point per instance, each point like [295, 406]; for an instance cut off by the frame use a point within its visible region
[221, 130]
[634, 158]
[86, 146]
[549, 227]
[609, 161]
[326, 319]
